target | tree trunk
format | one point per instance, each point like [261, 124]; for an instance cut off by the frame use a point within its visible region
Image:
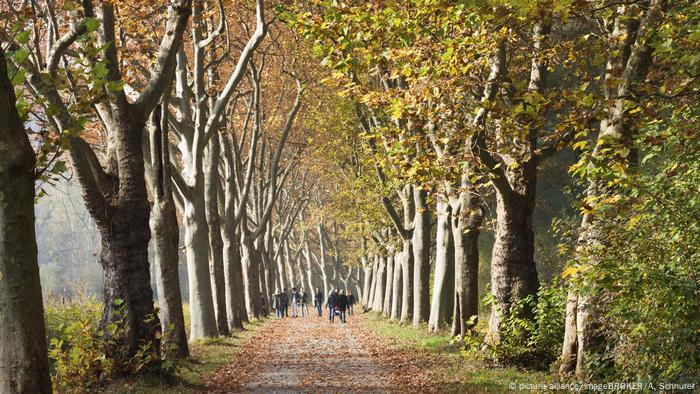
[570, 346]
[322, 263]
[212, 154]
[281, 282]
[125, 235]
[396, 294]
[202, 316]
[233, 279]
[407, 254]
[513, 270]
[166, 238]
[407, 282]
[233, 272]
[373, 285]
[251, 278]
[381, 280]
[359, 281]
[267, 277]
[443, 280]
[289, 265]
[24, 365]
[386, 308]
[367, 280]
[309, 264]
[421, 253]
[467, 215]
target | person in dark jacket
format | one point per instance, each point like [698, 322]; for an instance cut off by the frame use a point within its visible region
[285, 302]
[331, 304]
[342, 305]
[304, 300]
[277, 304]
[351, 302]
[318, 301]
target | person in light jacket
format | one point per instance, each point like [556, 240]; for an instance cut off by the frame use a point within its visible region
[294, 299]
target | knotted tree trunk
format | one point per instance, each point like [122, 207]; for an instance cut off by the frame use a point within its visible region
[466, 219]
[513, 269]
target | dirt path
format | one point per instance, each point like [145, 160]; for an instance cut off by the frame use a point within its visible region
[306, 355]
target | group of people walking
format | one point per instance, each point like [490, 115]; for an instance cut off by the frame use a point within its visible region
[298, 300]
[338, 303]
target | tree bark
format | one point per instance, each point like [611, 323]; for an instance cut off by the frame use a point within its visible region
[235, 307]
[212, 154]
[386, 307]
[202, 315]
[513, 269]
[251, 278]
[467, 215]
[443, 281]
[24, 365]
[569, 355]
[125, 235]
[323, 262]
[267, 277]
[367, 280]
[396, 294]
[421, 253]
[309, 264]
[280, 263]
[373, 285]
[407, 254]
[166, 238]
[381, 280]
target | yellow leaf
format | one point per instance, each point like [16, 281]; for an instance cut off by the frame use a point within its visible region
[571, 271]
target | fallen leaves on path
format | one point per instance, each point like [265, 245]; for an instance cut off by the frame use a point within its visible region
[313, 355]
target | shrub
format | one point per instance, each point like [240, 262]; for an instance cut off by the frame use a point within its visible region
[645, 276]
[85, 356]
[76, 348]
[532, 342]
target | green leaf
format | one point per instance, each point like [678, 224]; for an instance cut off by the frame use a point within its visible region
[91, 24]
[22, 37]
[20, 55]
[99, 71]
[59, 167]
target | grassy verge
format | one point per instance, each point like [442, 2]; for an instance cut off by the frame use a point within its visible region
[206, 357]
[464, 373]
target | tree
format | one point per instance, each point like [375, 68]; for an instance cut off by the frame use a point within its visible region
[165, 230]
[24, 364]
[114, 191]
[630, 58]
[197, 122]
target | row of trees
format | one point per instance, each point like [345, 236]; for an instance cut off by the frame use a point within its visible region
[185, 113]
[208, 115]
[458, 104]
